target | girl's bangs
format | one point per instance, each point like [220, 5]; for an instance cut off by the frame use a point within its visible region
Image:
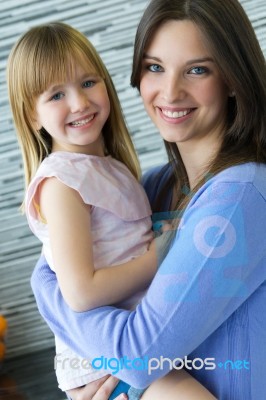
[57, 66]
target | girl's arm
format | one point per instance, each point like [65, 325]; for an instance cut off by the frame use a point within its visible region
[83, 288]
[177, 385]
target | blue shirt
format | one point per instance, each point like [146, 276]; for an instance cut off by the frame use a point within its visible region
[206, 304]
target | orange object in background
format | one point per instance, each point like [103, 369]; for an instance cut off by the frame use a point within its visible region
[3, 326]
[3, 330]
[8, 387]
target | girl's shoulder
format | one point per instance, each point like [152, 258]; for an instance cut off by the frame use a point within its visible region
[71, 168]
[68, 163]
[101, 181]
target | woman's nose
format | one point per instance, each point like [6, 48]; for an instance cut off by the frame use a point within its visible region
[174, 88]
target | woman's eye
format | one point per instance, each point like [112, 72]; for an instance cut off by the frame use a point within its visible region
[88, 84]
[57, 96]
[198, 70]
[155, 68]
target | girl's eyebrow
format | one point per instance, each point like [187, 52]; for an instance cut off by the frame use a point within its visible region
[59, 86]
[89, 75]
[51, 89]
[192, 61]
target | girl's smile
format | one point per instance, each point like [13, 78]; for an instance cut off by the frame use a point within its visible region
[82, 121]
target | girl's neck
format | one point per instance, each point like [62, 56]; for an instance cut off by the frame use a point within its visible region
[92, 150]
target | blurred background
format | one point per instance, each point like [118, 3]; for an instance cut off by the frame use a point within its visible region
[111, 26]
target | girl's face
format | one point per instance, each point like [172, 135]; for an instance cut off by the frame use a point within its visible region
[74, 113]
[181, 87]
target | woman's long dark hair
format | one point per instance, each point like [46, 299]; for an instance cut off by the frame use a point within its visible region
[231, 39]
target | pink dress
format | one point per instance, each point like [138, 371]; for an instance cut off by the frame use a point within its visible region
[120, 225]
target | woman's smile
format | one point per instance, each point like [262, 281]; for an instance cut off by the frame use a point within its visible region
[175, 116]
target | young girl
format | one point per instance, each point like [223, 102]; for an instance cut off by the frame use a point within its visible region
[83, 200]
[202, 77]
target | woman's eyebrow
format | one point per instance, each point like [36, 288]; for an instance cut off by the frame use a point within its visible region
[192, 61]
[200, 60]
[147, 56]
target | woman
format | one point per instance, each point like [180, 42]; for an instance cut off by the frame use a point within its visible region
[201, 75]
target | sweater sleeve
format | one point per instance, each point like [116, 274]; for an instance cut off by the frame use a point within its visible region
[214, 264]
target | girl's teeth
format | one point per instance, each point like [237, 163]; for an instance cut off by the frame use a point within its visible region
[82, 122]
[175, 114]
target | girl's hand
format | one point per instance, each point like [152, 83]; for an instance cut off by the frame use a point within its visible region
[162, 226]
[100, 389]
[164, 233]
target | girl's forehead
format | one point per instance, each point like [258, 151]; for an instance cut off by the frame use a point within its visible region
[74, 65]
[52, 70]
[72, 70]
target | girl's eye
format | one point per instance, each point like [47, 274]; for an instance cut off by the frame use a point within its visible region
[88, 84]
[155, 68]
[198, 70]
[57, 96]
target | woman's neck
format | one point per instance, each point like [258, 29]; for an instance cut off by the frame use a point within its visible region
[197, 159]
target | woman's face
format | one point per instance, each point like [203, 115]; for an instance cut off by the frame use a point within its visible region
[181, 86]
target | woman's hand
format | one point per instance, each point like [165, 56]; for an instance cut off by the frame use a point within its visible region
[100, 389]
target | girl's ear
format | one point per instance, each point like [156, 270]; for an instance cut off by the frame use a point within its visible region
[38, 126]
[35, 123]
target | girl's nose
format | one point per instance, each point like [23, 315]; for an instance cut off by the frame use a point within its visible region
[79, 102]
[174, 88]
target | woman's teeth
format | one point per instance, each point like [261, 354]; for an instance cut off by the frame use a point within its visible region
[175, 114]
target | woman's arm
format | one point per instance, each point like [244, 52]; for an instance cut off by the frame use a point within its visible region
[83, 288]
[210, 270]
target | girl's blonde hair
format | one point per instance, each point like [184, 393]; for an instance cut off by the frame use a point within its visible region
[43, 56]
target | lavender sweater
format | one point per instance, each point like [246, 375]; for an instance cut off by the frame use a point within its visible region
[207, 302]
